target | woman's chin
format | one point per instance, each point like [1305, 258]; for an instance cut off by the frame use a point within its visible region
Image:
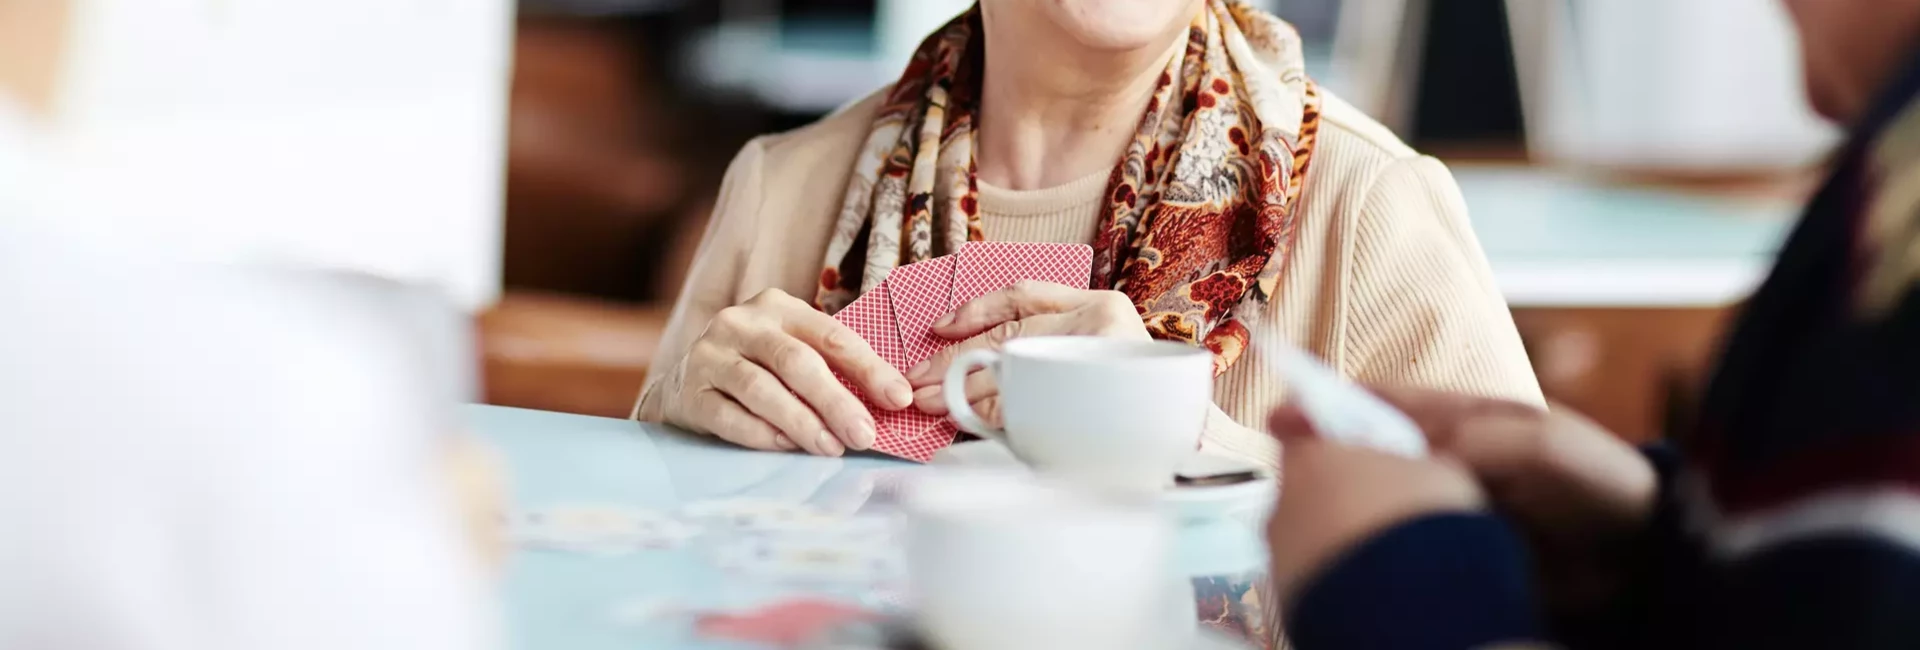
[1121, 25]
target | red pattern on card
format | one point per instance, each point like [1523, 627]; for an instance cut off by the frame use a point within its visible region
[986, 267]
[871, 316]
[919, 294]
[896, 318]
[907, 434]
[783, 624]
[931, 434]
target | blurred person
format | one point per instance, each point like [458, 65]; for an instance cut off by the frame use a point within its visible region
[1785, 515]
[1224, 193]
[202, 456]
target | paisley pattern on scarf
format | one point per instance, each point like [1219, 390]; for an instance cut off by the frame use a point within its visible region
[1200, 209]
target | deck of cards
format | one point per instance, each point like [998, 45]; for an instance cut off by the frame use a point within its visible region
[896, 318]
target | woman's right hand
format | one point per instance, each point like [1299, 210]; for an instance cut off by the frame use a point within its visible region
[761, 376]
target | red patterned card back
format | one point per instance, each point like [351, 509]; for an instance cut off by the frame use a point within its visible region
[919, 294]
[986, 267]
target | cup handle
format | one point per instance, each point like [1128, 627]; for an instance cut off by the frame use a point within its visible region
[955, 388]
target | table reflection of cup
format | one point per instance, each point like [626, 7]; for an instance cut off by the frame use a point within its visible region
[1106, 412]
[999, 562]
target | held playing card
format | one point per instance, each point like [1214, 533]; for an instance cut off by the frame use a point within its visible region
[1342, 411]
[986, 267]
[896, 318]
[919, 294]
[871, 316]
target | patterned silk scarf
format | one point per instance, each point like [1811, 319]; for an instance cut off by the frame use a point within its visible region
[1200, 209]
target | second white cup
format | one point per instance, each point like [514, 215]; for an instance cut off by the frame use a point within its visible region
[1006, 562]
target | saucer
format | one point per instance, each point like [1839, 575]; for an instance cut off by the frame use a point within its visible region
[1250, 498]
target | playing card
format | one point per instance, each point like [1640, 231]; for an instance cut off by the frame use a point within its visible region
[986, 267]
[916, 435]
[871, 316]
[603, 530]
[919, 294]
[1340, 410]
[757, 515]
[811, 560]
[908, 433]
[784, 624]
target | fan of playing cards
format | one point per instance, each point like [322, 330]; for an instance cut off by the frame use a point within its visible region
[896, 318]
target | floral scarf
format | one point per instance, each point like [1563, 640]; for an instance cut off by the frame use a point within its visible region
[1200, 209]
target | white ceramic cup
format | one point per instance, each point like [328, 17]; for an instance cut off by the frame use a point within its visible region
[1113, 413]
[1007, 562]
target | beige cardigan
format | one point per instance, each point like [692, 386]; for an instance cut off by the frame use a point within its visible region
[1386, 281]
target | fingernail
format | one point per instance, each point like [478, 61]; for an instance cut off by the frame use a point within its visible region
[916, 375]
[944, 321]
[864, 435]
[900, 395]
[830, 445]
[784, 443]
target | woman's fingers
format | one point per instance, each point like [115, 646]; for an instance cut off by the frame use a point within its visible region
[1024, 299]
[988, 409]
[846, 351]
[733, 423]
[789, 345]
[790, 368]
[770, 363]
[764, 395]
[932, 400]
[934, 369]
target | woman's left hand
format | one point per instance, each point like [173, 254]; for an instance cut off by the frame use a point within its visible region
[1028, 308]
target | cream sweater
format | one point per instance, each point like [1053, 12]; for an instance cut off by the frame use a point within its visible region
[1385, 280]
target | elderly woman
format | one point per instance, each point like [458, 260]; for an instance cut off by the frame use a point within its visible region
[1227, 197]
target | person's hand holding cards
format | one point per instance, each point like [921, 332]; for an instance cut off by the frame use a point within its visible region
[762, 375]
[1027, 308]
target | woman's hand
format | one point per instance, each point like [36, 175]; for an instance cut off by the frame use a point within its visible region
[1028, 308]
[761, 376]
[1337, 496]
[1579, 492]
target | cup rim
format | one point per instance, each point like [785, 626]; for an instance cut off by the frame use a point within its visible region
[1099, 348]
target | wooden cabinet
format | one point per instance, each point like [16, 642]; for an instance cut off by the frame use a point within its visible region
[1617, 364]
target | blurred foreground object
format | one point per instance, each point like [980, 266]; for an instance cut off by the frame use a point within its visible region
[353, 134]
[211, 437]
[202, 457]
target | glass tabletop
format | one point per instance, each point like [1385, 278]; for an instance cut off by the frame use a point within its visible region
[655, 597]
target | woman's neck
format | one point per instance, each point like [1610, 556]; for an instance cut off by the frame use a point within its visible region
[1052, 112]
